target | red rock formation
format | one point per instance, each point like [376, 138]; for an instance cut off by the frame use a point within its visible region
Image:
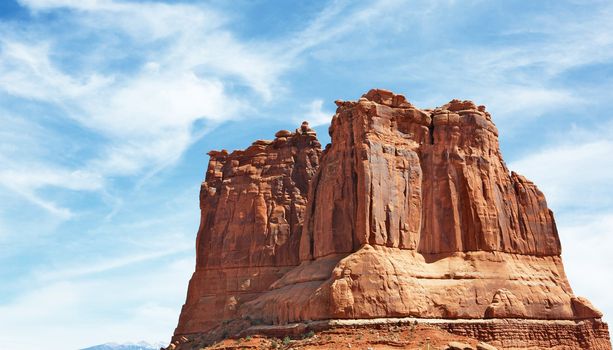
[411, 213]
[252, 204]
[432, 181]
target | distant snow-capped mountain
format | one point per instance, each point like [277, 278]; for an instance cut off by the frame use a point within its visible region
[127, 346]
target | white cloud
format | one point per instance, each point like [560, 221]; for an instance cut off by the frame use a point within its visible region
[33, 177]
[573, 174]
[145, 116]
[50, 206]
[26, 178]
[25, 70]
[108, 264]
[315, 114]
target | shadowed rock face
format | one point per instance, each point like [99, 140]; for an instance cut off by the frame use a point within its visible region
[409, 212]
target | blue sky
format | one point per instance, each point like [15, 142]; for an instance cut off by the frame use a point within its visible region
[108, 107]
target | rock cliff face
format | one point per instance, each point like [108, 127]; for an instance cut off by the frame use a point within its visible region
[252, 204]
[409, 213]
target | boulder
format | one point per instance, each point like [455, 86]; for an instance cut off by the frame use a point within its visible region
[455, 345]
[485, 346]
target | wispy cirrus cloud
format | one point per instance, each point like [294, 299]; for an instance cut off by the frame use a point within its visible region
[181, 72]
[110, 263]
[26, 180]
[144, 115]
[523, 71]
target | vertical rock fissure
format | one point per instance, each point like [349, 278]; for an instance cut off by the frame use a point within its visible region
[431, 131]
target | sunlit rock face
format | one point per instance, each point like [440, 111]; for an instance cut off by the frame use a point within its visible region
[407, 213]
[252, 205]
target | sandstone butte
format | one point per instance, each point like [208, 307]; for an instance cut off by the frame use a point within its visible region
[408, 215]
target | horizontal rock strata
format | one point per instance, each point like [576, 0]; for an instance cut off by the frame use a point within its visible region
[509, 334]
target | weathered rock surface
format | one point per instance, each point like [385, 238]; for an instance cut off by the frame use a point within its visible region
[485, 346]
[252, 204]
[402, 333]
[409, 212]
[456, 345]
[535, 334]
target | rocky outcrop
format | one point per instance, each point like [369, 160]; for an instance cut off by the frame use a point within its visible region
[505, 305]
[431, 181]
[409, 213]
[423, 219]
[252, 205]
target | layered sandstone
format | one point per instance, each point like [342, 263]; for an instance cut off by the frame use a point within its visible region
[252, 204]
[409, 213]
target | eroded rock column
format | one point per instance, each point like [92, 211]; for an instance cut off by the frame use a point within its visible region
[252, 205]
